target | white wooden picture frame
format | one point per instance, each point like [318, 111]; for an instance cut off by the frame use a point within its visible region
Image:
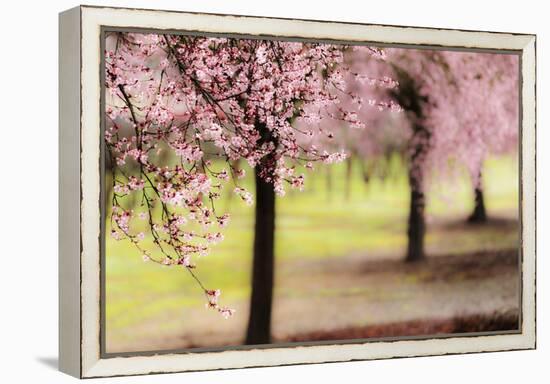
[80, 290]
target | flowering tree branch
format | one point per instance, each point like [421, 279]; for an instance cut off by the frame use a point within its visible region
[177, 103]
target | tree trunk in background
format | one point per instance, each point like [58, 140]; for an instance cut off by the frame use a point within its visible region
[416, 230]
[365, 171]
[348, 181]
[261, 298]
[329, 183]
[417, 223]
[479, 215]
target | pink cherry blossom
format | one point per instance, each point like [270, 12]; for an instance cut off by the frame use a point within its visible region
[195, 99]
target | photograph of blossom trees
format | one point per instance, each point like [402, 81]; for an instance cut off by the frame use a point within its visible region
[272, 191]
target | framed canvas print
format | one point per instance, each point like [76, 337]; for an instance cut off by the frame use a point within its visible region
[247, 191]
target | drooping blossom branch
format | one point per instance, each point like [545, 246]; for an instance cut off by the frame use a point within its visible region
[177, 103]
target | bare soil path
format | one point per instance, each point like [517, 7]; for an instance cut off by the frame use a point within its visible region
[349, 297]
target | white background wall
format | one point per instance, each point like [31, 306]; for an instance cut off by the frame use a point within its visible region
[28, 190]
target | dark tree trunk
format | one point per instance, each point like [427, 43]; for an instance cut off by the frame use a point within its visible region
[479, 215]
[408, 96]
[259, 322]
[417, 223]
[261, 298]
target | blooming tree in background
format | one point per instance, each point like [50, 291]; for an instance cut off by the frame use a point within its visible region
[460, 106]
[201, 99]
[483, 117]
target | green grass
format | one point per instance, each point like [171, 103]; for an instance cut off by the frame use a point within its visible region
[315, 224]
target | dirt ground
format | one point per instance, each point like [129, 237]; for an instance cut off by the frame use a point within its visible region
[359, 297]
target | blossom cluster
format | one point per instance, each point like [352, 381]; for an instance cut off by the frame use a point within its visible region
[177, 106]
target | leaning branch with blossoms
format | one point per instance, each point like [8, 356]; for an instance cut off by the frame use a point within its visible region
[197, 99]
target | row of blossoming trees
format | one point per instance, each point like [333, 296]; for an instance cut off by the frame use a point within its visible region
[280, 107]
[458, 107]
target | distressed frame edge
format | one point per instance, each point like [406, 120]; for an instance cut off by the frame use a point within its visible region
[93, 366]
[69, 314]
[528, 189]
